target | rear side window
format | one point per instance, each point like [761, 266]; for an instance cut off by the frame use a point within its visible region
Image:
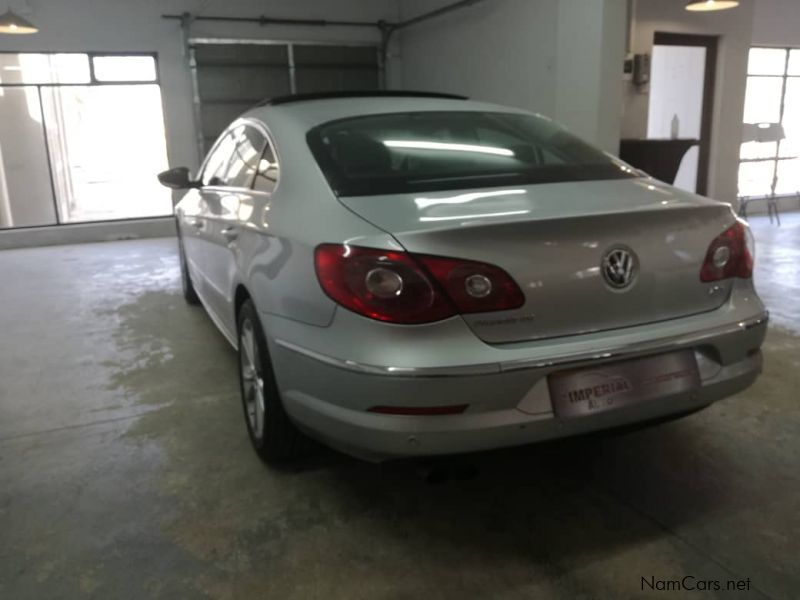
[267, 174]
[245, 159]
[428, 151]
[217, 163]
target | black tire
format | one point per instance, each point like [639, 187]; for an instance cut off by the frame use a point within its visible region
[189, 294]
[279, 440]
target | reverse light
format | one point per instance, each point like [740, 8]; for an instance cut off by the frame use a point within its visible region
[400, 287]
[730, 254]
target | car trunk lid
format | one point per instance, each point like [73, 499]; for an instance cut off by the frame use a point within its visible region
[553, 238]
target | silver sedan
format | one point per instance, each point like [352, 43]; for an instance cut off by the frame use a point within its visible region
[419, 274]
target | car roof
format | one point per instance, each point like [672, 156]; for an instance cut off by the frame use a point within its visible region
[306, 112]
[292, 98]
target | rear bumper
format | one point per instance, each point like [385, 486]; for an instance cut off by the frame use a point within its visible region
[381, 437]
[509, 401]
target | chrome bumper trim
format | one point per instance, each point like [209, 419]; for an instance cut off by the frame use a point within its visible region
[350, 365]
[661, 344]
[617, 352]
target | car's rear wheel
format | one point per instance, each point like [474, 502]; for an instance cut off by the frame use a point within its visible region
[189, 293]
[273, 435]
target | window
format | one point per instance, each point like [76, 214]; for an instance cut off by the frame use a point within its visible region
[426, 151]
[241, 158]
[217, 163]
[40, 69]
[768, 162]
[124, 68]
[267, 176]
[245, 159]
[81, 138]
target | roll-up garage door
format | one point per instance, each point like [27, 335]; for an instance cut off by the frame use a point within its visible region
[335, 68]
[232, 77]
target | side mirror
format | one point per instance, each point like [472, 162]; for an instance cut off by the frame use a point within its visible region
[177, 179]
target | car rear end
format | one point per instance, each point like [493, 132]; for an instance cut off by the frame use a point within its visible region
[530, 287]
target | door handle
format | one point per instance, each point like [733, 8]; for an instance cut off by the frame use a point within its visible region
[231, 233]
[196, 223]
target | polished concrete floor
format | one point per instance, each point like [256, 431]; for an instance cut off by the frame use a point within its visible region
[125, 471]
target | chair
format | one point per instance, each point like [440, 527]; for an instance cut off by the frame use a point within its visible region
[772, 209]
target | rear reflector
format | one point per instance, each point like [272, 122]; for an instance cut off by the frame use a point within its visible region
[455, 409]
[399, 287]
[729, 255]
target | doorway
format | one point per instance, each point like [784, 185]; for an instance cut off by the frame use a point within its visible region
[682, 81]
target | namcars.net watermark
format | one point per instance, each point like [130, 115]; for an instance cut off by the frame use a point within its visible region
[690, 583]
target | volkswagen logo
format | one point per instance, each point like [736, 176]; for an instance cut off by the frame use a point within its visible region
[619, 268]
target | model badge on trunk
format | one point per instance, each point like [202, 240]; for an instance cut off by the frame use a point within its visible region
[619, 268]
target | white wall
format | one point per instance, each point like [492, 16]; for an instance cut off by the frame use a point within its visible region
[734, 28]
[499, 51]
[561, 58]
[590, 52]
[776, 23]
[136, 25]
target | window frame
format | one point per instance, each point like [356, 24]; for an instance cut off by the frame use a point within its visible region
[776, 158]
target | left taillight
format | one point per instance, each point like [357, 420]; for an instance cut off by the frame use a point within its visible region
[730, 254]
[399, 287]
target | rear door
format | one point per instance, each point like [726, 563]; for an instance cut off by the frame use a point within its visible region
[193, 219]
[229, 205]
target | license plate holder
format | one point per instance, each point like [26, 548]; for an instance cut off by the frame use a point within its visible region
[601, 388]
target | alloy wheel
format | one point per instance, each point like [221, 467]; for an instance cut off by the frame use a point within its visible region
[252, 379]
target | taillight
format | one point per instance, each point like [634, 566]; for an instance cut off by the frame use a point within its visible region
[729, 255]
[400, 287]
[473, 286]
[380, 284]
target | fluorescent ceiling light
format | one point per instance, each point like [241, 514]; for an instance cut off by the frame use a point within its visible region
[709, 5]
[14, 24]
[418, 145]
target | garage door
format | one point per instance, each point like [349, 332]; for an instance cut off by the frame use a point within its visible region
[233, 77]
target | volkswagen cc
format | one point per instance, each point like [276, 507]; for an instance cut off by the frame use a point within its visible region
[411, 274]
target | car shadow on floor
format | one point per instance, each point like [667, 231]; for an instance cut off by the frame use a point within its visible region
[567, 504]
[587, 502]
[657, 465]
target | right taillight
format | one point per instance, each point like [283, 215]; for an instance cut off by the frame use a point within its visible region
[399, 287]
[730, 254]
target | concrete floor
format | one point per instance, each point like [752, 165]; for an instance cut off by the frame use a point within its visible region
[125, 470]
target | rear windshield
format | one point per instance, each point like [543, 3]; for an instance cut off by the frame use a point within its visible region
[428, 151]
